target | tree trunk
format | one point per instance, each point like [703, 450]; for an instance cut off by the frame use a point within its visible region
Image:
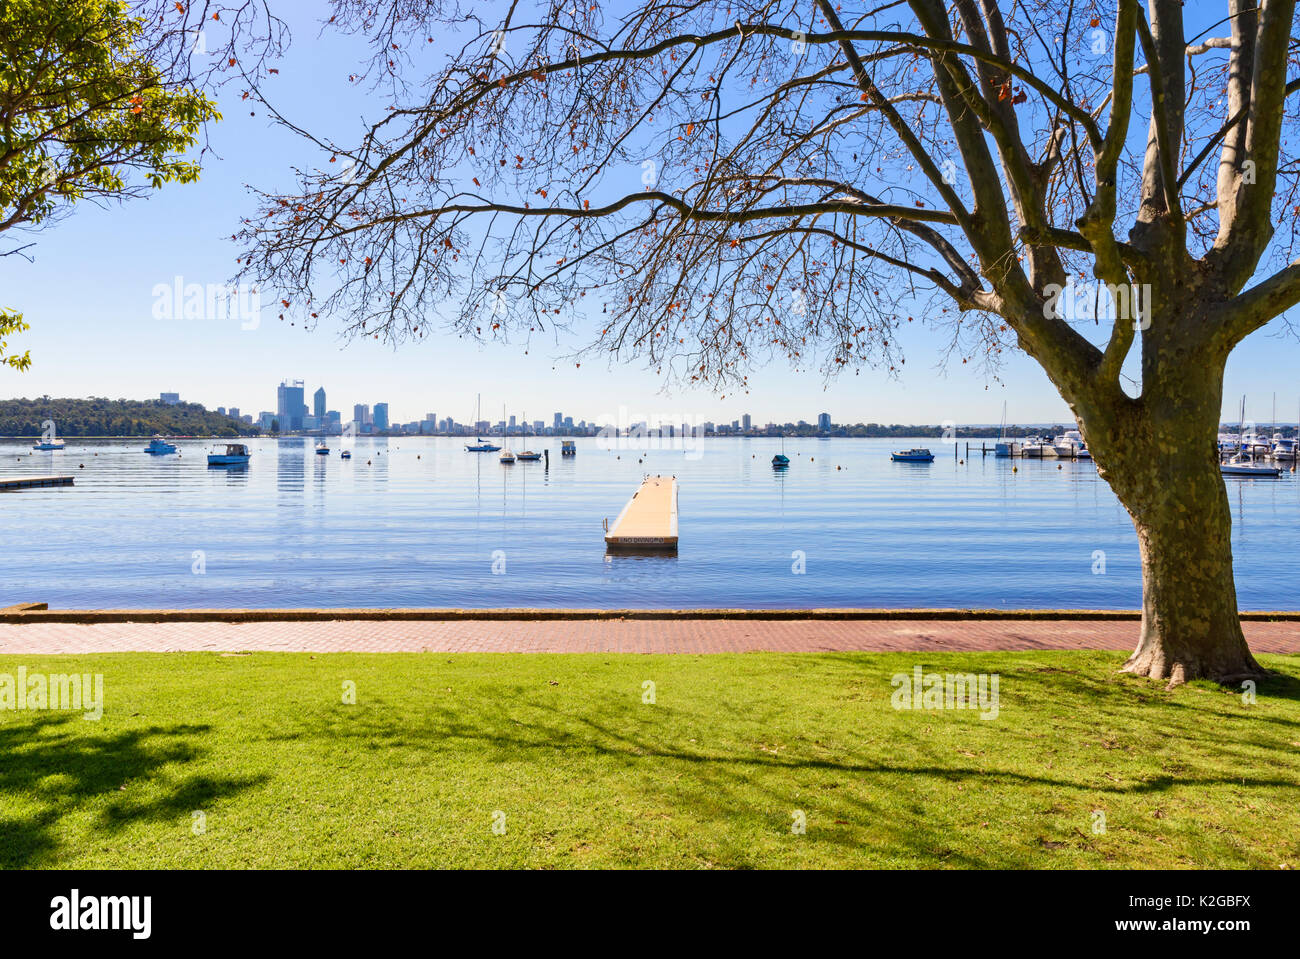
[1190, 624]
[1161, 459]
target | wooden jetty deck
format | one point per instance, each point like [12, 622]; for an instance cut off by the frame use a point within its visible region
[33, 482]
[649, 520]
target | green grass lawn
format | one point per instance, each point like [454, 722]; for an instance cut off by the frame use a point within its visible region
[588, 775]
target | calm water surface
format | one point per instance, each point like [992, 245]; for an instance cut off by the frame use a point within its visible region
[417, 521]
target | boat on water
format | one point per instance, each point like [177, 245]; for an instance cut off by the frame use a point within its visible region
[1070, 445]
[1241, 465]
[345, 455]
[1005, 447]
[159, 447]
[507, 455]
[1034, 447]
[236, 454]
[912, 456]
[1249, 450]
[322, 449]
[49, 446]
[480, 445]
[1284, 450]
[527, 456]
[780, 461]
[567, 448]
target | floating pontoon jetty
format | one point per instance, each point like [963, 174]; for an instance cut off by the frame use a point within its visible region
[649, 520]
[33, 482]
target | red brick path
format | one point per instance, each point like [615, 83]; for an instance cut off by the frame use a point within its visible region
[607, 636]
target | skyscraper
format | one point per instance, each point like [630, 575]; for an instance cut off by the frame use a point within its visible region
[823, 421]
[318, 404]
[746, 421]
[290, 408]
[381, 416]
[361, 414]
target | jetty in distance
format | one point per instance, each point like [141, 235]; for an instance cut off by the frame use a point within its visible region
[649, 520]
[32, 482]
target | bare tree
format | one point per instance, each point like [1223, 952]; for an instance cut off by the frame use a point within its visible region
[716, 182]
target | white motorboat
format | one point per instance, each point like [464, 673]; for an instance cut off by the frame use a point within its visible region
[1070, 445]
[1241, 465]
[1034, 447]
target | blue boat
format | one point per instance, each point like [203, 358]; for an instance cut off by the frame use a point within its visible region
[481, 445]
[159, 447]
[49, 446]
[780, 461]
[345, 455]
[912, 456]
[236, 454]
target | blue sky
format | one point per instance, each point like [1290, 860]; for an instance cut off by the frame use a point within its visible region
[89, 298]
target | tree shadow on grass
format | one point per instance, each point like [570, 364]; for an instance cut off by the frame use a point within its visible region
[897, 783]
[54, 762]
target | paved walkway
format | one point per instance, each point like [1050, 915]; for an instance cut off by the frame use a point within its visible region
[603, 636]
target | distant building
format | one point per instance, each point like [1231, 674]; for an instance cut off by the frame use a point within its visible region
[171, 399]
[747, 422]
[823, 421]
[221, 411]
[361, 414]
[381, 416]
[233, 413]
[318, 404]
[290, 409]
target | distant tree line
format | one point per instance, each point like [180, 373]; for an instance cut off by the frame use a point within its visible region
[859, 430]
[98, 416]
